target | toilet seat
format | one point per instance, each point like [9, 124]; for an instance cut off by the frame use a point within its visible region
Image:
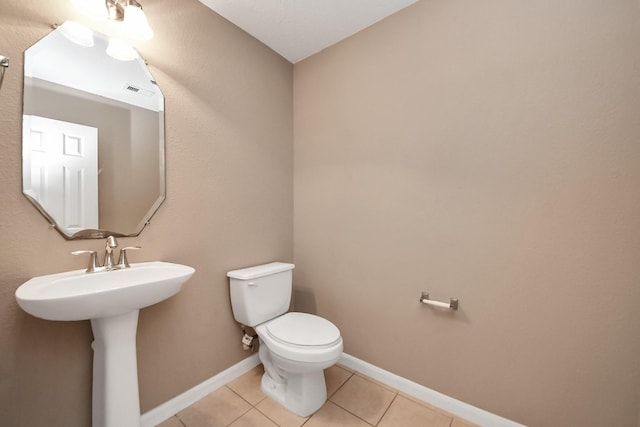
[301, 337]
[303, 329]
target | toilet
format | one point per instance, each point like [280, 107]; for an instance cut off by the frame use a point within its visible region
[295, 348]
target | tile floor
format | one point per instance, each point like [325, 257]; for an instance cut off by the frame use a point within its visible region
[354, 400]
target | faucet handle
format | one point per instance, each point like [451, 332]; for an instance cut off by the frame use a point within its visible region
[93, 259]
[123, 262]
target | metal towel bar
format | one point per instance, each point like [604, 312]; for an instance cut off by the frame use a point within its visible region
[452, 304]
[4, 64]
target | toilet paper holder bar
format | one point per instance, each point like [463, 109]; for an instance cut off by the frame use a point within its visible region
[4, 64]
[452, 304]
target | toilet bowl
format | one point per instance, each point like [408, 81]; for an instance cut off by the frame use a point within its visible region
[295, 348]
[295, 360]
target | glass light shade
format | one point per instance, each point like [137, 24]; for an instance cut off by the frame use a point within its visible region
[121, 51]
[136, 24]
[77, 33]
[93, 8]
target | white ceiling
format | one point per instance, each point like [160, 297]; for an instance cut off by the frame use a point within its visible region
[297, 29]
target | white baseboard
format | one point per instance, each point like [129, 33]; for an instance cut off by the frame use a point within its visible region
[478, 416]
[442, 401]
[171, 407]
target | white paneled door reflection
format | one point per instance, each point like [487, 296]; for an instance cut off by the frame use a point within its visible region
[63, 171]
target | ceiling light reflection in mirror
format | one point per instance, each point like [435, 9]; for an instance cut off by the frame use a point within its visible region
[56, 65]
[77, 33]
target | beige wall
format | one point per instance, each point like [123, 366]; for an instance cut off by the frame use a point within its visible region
[229, 205]
[488, 151]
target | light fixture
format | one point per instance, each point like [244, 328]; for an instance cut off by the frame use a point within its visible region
[136, 21]
[133, 18]
[129, 12]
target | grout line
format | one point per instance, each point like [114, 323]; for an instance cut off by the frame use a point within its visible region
[357, 416]
[245, 412]
[389, 407]
[240, 396]
[267, 416]
[371, 381]
[341, 385]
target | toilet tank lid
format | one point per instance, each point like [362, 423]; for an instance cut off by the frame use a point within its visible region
[260, 270]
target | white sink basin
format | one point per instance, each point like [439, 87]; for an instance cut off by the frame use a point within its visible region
[112, 301]
[78, 295]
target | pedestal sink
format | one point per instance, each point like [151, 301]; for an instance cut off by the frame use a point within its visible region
[111, 300]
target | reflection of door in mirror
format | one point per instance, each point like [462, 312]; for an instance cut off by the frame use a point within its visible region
[63, 171]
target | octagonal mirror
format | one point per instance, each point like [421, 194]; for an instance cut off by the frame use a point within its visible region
[93, 160]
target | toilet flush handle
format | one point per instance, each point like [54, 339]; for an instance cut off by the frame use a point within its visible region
[252, 284]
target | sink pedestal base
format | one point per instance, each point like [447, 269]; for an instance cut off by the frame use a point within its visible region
[115, 371]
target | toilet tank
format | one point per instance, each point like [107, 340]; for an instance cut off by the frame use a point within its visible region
[260, 293]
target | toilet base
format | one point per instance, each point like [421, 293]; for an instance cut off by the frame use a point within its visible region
[302, 394]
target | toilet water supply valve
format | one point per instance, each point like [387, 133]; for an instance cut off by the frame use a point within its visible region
[249, 342]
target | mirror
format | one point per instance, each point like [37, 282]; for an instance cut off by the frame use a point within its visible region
[93, 160]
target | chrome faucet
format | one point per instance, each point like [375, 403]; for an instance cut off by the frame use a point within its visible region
[109, 264]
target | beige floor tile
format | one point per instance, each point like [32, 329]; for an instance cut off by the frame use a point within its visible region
[404, 412]
[388, 387]
[279, 414]
[345, 368]
[253, 418]
[248, 385]
[364, 398]
[171, 422]
[331, 415]
[355, 400]
[218, 409]
[428, 405]
[459, 422]
[335, 376]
